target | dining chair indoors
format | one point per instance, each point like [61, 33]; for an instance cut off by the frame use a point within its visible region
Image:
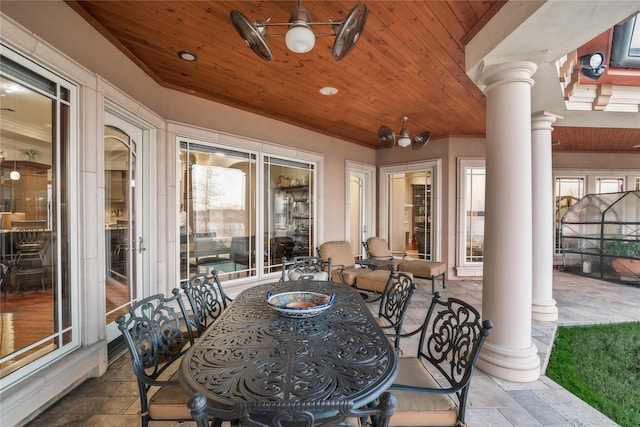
[156, 338]
[298, 413]
[305, 268]
[451, 337]
[394, 303]
[206, 298]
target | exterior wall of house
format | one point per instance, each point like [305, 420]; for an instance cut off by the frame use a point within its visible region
[53, 34]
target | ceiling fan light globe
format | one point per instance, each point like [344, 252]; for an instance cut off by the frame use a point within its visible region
[300, 39]
[404, 141]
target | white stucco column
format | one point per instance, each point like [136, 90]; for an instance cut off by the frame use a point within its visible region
[543, 305]
[509, 352]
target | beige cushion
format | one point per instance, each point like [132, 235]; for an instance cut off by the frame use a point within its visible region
[423, 268]
[170, 403]
[339, 252]
[378, 248]
[349, 275]
[420, 409]
[373, 281]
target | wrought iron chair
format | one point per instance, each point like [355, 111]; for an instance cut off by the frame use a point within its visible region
[378, 248]
[305, 268]
[394, 302]
[451, 337]
[300, 414]
[206, 298]
[156, 338]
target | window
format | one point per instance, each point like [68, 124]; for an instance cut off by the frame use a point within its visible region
[222, 213]
[474, 213]
[218, 211]
[471, 189]
[288, 221]
[568, 190]
[609, 185]
[40, 320]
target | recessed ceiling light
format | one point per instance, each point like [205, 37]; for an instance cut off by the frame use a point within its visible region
[187, 56]
[328, 90]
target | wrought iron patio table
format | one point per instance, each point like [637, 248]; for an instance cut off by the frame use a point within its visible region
[252, 353]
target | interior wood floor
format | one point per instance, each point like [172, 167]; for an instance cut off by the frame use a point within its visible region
[29, 316]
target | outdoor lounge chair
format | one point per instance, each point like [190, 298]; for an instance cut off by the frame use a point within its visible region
[377, 248]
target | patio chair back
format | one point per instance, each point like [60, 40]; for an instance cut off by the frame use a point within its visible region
[451, 338]
[156, 336]
[206, 298]
[395, 301]
[305, 268]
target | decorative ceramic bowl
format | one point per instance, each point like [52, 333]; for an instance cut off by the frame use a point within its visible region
[300, 303]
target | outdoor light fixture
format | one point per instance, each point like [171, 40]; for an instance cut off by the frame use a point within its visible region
[592, 65]
[299, 37]
[388, 139]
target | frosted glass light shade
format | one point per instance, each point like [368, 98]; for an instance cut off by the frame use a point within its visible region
[404, 141]
[14, 175]
[300, 39]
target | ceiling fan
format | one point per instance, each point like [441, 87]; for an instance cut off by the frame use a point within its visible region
[388, 139]
[299, 37]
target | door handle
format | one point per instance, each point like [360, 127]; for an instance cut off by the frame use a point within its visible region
[140, 247]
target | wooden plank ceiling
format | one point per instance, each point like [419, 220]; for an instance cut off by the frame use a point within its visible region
[408, 62]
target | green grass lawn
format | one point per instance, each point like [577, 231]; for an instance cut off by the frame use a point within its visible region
[601, 365]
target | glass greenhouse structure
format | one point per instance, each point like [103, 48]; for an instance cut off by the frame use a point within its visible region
[601, 237]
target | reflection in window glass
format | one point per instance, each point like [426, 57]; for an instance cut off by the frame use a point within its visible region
[37, 319]
[474, 214]
[288, 221]
[217, 211]
[568, 191]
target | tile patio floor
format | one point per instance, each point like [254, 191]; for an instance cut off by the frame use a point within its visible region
[112, 399]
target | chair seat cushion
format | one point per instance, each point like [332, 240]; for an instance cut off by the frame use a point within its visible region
[169, 402]
[348, 275]
[373, 281]
[420, 409]
[423, 268]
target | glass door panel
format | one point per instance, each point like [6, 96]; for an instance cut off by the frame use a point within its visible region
[123, 281]
[36, 316]
[410, 205]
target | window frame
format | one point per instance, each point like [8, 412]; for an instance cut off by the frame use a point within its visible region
[464, 267]
[65, 219]
[261, 150]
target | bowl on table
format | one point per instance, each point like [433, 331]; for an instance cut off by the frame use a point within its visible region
[300, 303]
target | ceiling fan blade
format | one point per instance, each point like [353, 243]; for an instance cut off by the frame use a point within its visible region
[252, 35]
[386, 137]
[421, 140]
[348, 33]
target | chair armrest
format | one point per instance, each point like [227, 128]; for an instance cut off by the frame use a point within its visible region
[400, 253]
